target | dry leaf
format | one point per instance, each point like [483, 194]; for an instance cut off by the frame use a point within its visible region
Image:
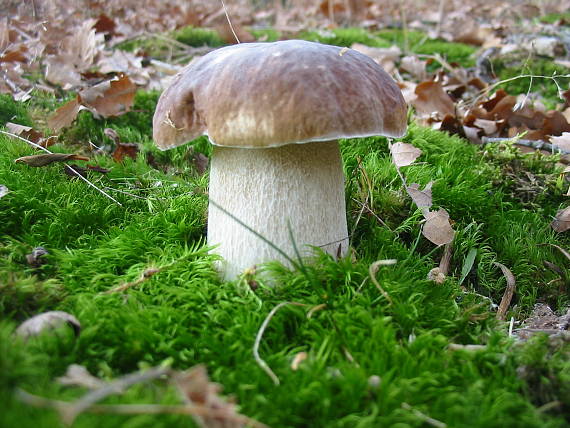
[561, 222]
[110, 98]
[65, 115]
[125, 149]
[31, 134]
[432, 98]
[437, 227]
[47, 321]
[509, 291]
[422, 198]
[195, 388]
[404, 154]
[3, 190]
[46, 159]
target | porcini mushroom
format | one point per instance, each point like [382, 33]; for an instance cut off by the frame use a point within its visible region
[274, 112]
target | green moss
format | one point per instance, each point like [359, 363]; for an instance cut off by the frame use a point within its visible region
[197, 37]
[552, 18]
[344, 37]
[184, 315]
[13, 111]
[265, 34]
[419, 43]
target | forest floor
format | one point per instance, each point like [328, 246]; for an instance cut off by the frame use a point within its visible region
[411, 329]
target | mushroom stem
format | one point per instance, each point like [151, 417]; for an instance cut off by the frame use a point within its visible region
[297, 185]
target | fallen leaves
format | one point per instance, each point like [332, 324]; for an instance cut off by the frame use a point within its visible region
[110, 98]
[437, 227]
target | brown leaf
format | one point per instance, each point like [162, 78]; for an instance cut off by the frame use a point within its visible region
[46, 159]
[3, 190]
[561, 222]
[404, 154]
[195, 388]
[47, 321]
[432, 98]
[437, 227]
[422, 198]
[31, 134]
[65, 115]
[509, 291]
[125, 149]
[110, 98]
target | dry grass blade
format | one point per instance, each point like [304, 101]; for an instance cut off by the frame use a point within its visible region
[564, 252]
[427, 419]
[372, 271]
[509, 291]
[258, 359]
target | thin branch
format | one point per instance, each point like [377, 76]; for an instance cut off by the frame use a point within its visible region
[427, 419]
[37, 146]
[140, 409]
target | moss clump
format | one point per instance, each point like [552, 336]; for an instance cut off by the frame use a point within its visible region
[13, 111]
[420, 43]
[197, 37]
[265, 34]
[344, 37]
[184, 315]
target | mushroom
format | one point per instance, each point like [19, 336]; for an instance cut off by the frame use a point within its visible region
[274, 113]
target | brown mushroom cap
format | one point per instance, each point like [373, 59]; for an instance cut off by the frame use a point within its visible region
[255, 95]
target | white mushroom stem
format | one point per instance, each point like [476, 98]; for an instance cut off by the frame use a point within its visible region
[298, 184]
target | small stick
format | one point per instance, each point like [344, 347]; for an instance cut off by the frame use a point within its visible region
[37, 146]
[509, 291]
[258, 359]
[446, 259]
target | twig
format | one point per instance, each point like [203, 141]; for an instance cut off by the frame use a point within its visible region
[258, 359]
[364, 206]
[509, 291]
[535, 144]
[139, 409]
[427, 419]
[69, 413]
[37, 146]
[372, 271]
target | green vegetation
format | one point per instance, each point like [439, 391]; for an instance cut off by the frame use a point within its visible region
[184, 315]
[552, 18]
[371, 360]
[541, 69]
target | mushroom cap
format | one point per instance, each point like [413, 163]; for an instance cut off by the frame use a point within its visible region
[255, 95]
